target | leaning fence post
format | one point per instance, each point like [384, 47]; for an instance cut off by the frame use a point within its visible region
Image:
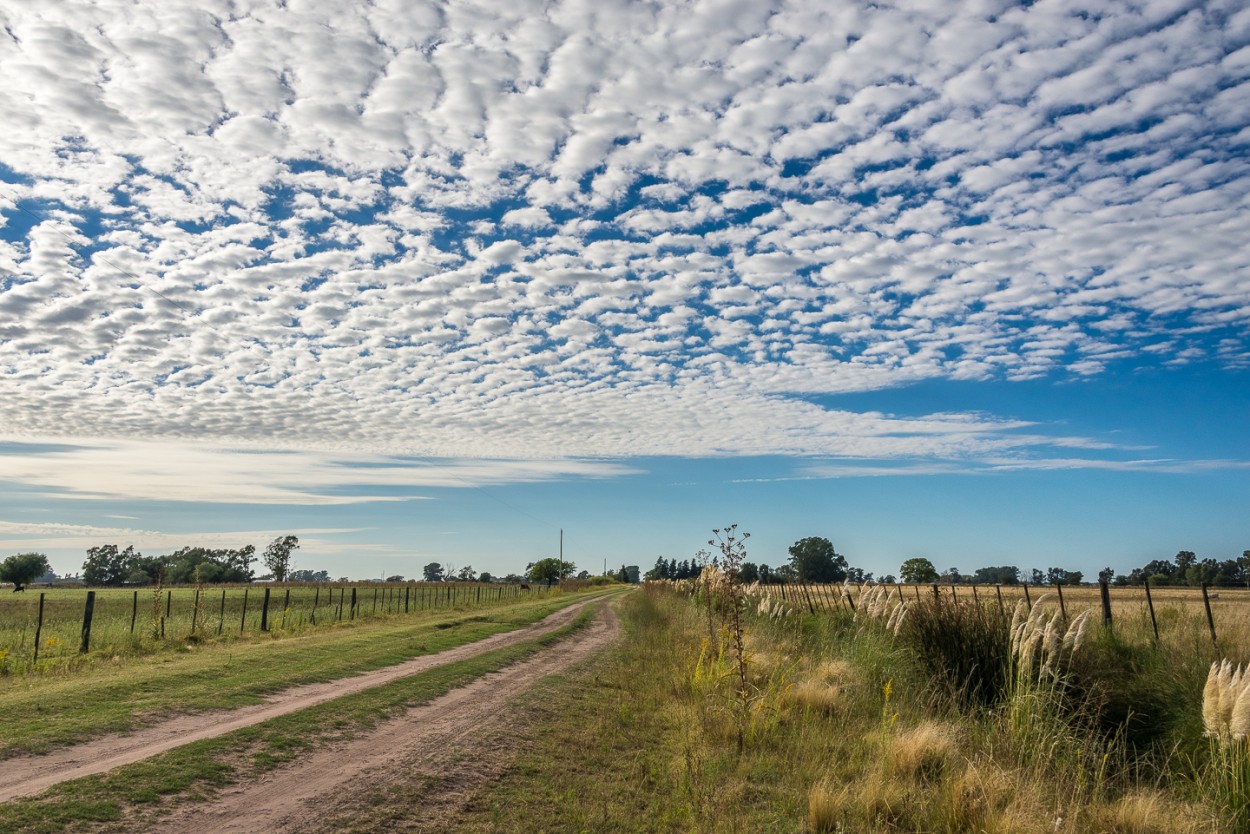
[1063, 610]
[1151, 605]
[86, 622]
[1206, 601]
[1027, 602]
[243, 619]
[1106, 602]
[221, 619]
[998, 589]
[38, 629]
[264, 611]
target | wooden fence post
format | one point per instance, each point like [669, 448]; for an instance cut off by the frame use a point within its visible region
[407, 590]
[1027, 602]
[1063, 610]
[1105, 592]
[937, 595]
[998, 589]
[39, 629]
[286, 606]
[134, 612]
[264, 611]
[975, 598]
[1206, 601]
[86, 622]
[1151, 605]
[316, 599]
[243, 619]
[353, 603]
[221, 621]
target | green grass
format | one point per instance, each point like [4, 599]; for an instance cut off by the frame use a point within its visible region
[135, 622]
[45, 712]
[136, 795]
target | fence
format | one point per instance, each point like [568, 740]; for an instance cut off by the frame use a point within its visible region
[1235, 602]
[63, 621]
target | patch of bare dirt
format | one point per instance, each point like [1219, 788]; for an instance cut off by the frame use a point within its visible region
[452, 744]
[31, 775]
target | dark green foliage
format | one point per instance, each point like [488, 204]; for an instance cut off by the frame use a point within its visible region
[815, 560]
[965, 647]
[278, 556]
[23, 569]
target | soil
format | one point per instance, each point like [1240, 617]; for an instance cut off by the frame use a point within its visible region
[31, 775]
[427, 762]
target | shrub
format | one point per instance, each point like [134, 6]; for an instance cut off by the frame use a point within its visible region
[965, 647]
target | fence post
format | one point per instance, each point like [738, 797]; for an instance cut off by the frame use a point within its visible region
[1151, 605]
[39, 629]
[407, 589]
[916, 588]
[998, 589]
[221, 621]
[353, 603]
[264, 611]
[937, 595]
[1106, 602]
[975, 598]
[1063, 610]
[134, 612]
[286, 606]
[1027, 602]
[1206, 601]
[953, 596]
[169, 603]
[86, 622]
[243, 619]
[316, 599]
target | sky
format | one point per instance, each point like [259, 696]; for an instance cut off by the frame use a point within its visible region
[424, 281]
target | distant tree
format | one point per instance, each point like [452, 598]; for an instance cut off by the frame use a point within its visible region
[672, 569]
[309, 576]
[814, 560]
[550, 570]
[485, 576]
[918, 570]
[1037, 577]
[433, 572]
[214, 565]
[514, 578]
[106, 565]
[395, 578]
[623, 576]
[785, 574]
[1002, 575]
[660, 571]
[889, 579]
[23, 569]
[278, 556]
[581, 574]
[1184, 561]
[1075, 577]
[951, 575]
[766, 574]
[1106, 575]
[466, 574]
[748, 572]
[857, 576]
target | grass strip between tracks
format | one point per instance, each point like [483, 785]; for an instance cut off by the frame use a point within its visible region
[131, 796]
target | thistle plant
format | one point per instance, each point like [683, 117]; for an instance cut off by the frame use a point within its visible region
[732, 547]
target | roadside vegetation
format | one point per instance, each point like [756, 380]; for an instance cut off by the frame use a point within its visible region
[928, 715]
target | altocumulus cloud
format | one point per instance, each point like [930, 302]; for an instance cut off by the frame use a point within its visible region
[562, 232]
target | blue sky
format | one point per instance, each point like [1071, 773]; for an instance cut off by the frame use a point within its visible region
[423, 282]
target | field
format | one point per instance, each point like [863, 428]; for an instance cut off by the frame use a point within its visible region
[800, 713]
[139, 621]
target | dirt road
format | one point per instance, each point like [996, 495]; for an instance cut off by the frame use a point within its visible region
[429, 740]
[30, 775]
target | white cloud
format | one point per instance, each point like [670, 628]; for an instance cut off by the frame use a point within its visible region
[560, 231]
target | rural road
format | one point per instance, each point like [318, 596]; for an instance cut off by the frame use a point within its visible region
[31, 775]
[426, 741]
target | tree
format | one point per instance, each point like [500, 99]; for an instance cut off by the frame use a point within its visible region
[433, 572]
[918, 570]
[1106, 575]
[466, 574]
[308, 576]
[748, 572]
[278, 556]
[1002, 575]
[106, 565]
[396, 578]
[815, 560]
[23, 569]
[485, 576]
[550, 570]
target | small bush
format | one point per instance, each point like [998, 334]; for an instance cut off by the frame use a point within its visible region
[965, 647]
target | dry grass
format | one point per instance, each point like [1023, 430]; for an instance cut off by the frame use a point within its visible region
[923, 753]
